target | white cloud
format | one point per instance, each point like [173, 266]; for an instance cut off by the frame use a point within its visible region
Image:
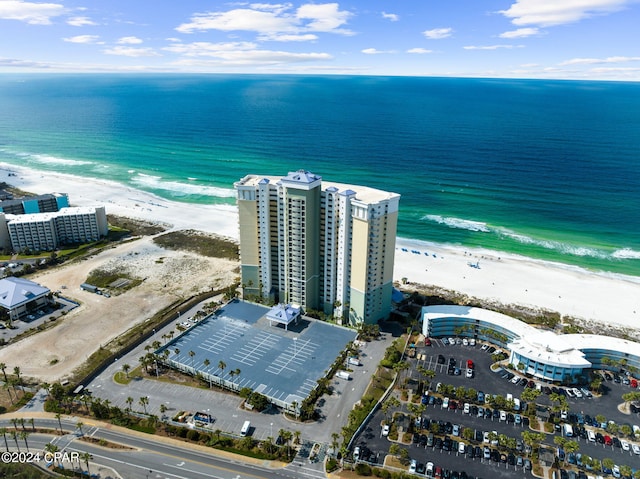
[131, 51]
[438, 33]
[288, 37]
[324, 17]
[390, 16]
[419, 50]
[82, 39]
[237, 53]
[548, 13]
[80, 22]
[129, 41]
[273, 21]
[374, 51]
[595, 61]
[33, 13]
[520, 33]
[490, 47]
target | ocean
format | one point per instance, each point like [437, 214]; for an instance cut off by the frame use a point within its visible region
[544, 169]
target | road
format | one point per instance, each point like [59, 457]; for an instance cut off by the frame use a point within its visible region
[151, 457]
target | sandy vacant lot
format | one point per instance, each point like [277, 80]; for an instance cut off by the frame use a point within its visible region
[168, 276]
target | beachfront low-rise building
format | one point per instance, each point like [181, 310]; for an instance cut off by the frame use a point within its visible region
[47, 203]
[320, 245]
[564, 358]
[48, 231]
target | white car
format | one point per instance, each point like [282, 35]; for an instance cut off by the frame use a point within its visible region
[385, 430]
[472, 342]
[625, 445]
[469, 373]
[445, 403]
[503, 415]
[429, 470]
[356, 453]
[615, 471]
[452, 341]
[412, 466]
[467, 408]
[485, 437]
[515, 379]
[462, 447]
[465, 342]
[636, 449]
[484, 347]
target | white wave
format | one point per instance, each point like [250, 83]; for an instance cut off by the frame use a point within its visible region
[181, 189]
[131, 171]
[564, 248]
[54, 160]
[626, 253]
[459, 223]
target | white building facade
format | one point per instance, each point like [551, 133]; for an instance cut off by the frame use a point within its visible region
[47, 231]
[564, 358]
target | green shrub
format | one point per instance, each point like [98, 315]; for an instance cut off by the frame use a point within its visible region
[363, 469]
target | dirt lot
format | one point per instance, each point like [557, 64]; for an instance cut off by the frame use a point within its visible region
[168, 275]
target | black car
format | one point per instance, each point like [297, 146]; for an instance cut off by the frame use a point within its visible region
[446, 444]
[420, 468]
[440, 359]
[511, 459]
[599, 438]
[488, 413]
[416, 438]
[477, 451]
[438, 443]
[496, 414]
[478, 435]
[495, 455]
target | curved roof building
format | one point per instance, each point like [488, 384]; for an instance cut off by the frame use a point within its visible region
[544, 354]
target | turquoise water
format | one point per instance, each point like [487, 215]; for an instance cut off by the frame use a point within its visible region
[544, 169]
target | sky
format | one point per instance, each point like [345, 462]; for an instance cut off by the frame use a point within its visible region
[550, 39]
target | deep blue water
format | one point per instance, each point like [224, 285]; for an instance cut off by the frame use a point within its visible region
[545, 169]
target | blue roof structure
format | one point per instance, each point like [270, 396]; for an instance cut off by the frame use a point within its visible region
[15, 292]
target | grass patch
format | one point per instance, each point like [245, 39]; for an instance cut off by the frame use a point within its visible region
[200, 243]
[121, 227]
[102, 278]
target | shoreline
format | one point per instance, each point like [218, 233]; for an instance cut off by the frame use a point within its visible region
[603, 297]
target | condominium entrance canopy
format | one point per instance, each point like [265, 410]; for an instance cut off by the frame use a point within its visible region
[283, 314]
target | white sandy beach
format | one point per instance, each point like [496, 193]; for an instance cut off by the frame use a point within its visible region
[611, 299]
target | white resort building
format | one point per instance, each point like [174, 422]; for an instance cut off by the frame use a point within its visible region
[47, 231]
[564, 358]
[320, 245]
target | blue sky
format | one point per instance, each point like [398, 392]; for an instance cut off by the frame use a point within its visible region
[563, 39]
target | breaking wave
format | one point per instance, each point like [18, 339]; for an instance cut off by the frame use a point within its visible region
[178, 188]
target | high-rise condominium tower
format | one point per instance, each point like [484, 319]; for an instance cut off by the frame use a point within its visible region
[320, 245]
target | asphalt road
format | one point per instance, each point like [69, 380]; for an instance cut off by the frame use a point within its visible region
[151, 458]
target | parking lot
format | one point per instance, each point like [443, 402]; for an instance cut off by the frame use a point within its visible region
[448, 419]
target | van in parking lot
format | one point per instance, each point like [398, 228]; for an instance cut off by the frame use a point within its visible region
[245, 428]
[591, 435]
[568, 430]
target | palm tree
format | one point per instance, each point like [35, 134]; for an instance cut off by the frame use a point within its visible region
[222, 365]
[33, 423]
[58, 417]
[3, 367]
[206, 364]
[79, 425]
[129, 401]
[126, 368]
[16, 371]
[86, 457]
[14, 435]
[296, 435]
[237, 372]
[22, 421]
[3, 431]
[144, 400]
[23, 436]
[191, 355]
